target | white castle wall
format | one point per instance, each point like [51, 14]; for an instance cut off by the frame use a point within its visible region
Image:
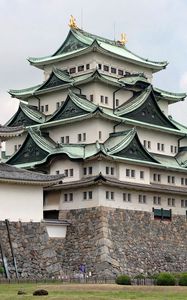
[21, 202]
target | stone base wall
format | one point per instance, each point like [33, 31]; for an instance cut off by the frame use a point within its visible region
[112, 241]
[35, 253]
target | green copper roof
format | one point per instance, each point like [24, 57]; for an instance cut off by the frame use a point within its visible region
[79, 40]
[26, 116]
[171, 97]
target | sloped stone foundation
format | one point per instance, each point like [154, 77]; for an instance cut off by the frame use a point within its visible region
[111, 241]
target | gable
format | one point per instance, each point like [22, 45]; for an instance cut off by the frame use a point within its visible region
[21, 119]
[149, 112]
[68, 110]
[70, 44]
[29, 152]
[136, 151]
[53, 81]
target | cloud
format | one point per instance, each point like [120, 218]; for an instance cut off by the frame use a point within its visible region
[183, 81]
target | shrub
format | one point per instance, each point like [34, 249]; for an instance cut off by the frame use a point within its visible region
[123, 280]
[165, 279]
[1, 270]
[183, 279]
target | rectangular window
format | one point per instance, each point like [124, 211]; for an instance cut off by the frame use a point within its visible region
[183, 203]
[172, 149]
[149, 144]
[127, 172]
[182, 181]
[87, 66]
[157, 200]
[112, 171]
[102, 99]
[80, 68]
[173, 179]
[99, 66]
[126, 197]
[66, 172]
[112, 195]
[85, 171]
[106, 100]
[84, 136]
[162, 147]
[42, 108]
[71, 172]
[15, 148]
[100, 135]
[145, 143]
[72, 70]
[176, 148]
[133, 173]
[46, 107]
[90, 170]
[142, 199]
[169, 179]
[57, 105]
[141, 174]
[71, 197]
[65, 197]
[107, 170]
[113, 70]
[107, 194]
[120, 72]
[117, 102]
[158, 146]
[90, 195]
[84, 195]
[91, 98]
[67, 139]
[57, 172]
[106, 68]
[158, 177]
[79, 137]
[171, 202]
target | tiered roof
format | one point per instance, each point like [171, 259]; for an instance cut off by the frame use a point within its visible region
[9, 132]
[79, 42]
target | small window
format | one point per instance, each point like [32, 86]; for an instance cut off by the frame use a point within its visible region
[80, 68]
[106, 68]
[176, 148]
[162, 147]
[90, 170]
[142, 199]
[91, 98]
[169, 179]
[84, 195]
[127, 172]
[113, 70]
[120, 72]
[100, 135]
[149, 144]
[182, 181]
[15, 148]
[71, 197]
[112, 195]
[79, 137]
[66, 172]
[84, 136]
[99, 66]
[42, 108]
[72, 70]
[57, 172]
[158, 146]
[107, 194]
[158, 177]
[106, 100]
[19, 146]
[172, 149]
[67, 139]
[90, 195]
[132, 173]
[71, 172]
[126, 197]
[107, 170]
[65, 197]
[117, 102]
[185, 181]
[85, 171]
[141, 174]
[112, 171]
[183, 203]
[46, 107]
[173, 179]
[102, 99]
[87, 66]
[57, 105]
[171, 202]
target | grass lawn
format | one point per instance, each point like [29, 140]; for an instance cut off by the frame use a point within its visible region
[93, 292]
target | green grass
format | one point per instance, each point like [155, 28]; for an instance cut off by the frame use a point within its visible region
[93, 292]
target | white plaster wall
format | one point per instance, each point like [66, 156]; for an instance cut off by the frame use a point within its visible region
[78, 201]
[63, 164]
[122, 173]
[9, 145]
[51, 201]
[21, 202]
[90, 126]
[56, 231]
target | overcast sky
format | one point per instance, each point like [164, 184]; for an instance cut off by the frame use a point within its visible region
[156, 29]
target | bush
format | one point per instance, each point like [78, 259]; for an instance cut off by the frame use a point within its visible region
[183, 279]
[123, 280]
[1, 270]
[165, 279]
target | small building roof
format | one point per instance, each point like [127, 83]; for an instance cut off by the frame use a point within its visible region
[10, 174]
[9, 132]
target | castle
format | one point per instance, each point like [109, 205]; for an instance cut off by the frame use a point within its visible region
[98, 120]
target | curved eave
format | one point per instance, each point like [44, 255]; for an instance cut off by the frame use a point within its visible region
[169, 96]
[30, 182]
